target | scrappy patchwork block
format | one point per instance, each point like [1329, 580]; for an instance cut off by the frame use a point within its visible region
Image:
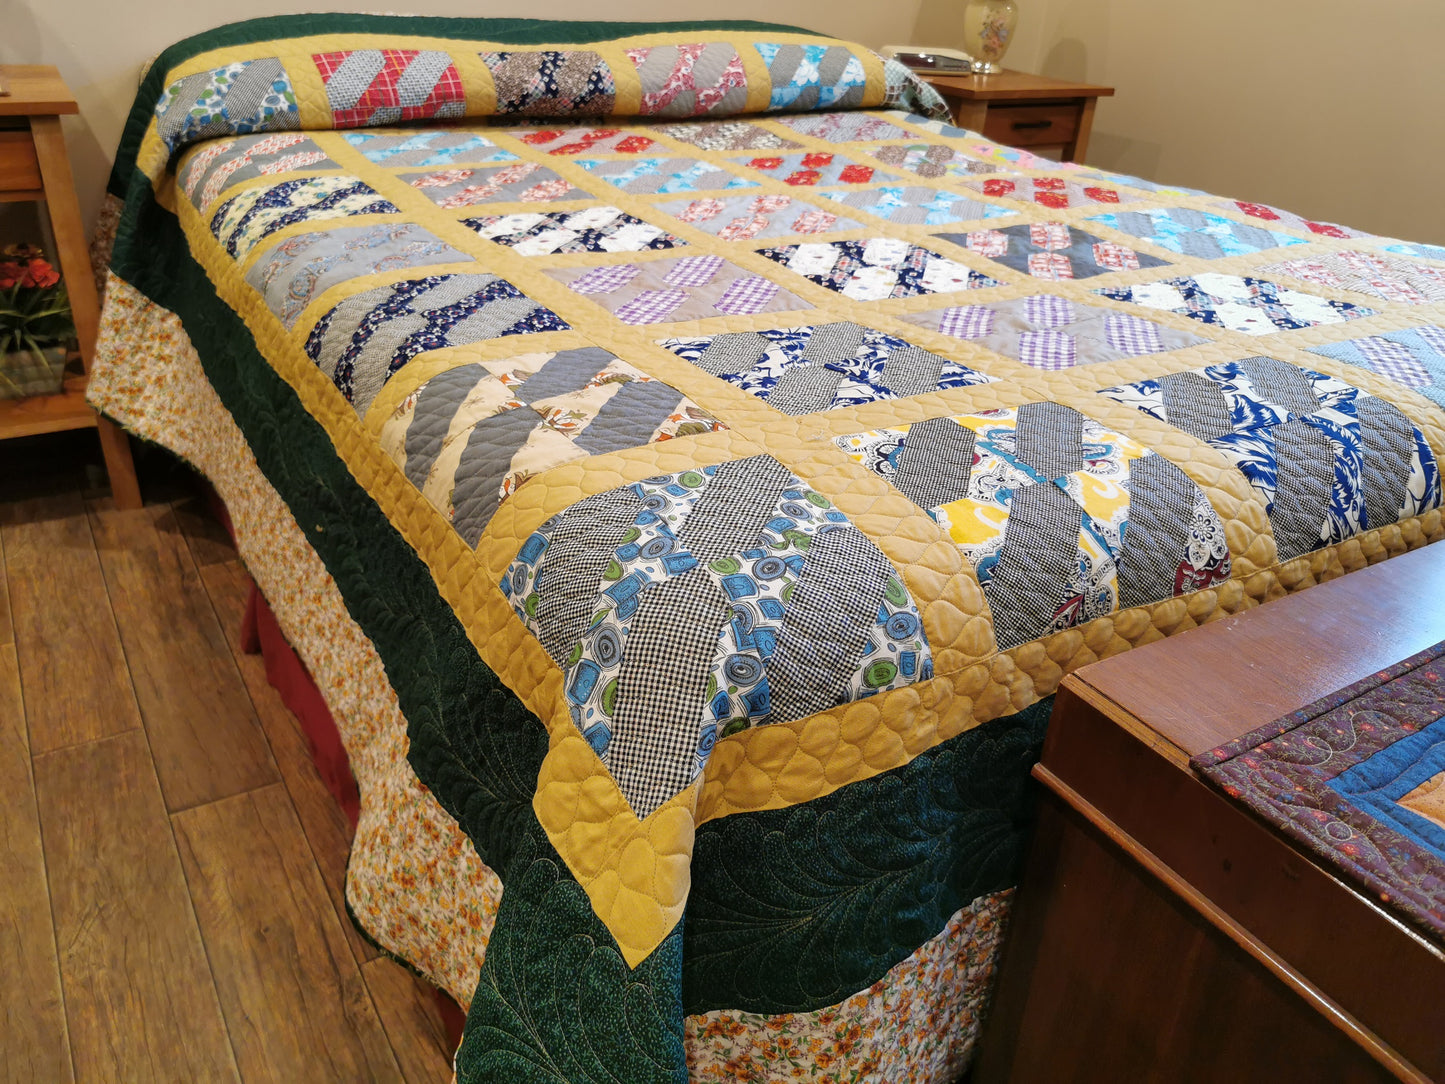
[1103, 177]
[931, 160]
[844, 127]
[1062, 519]
[248, 218]
[1408, 248]
[812, 76]
[1385, 277]
[300, 268]
[248, 96]
[690, 80]
[742, 218]
[552, 83]
[1287, 219]
[691, 288]
[1195, 233]
[1052, 333]
[878, 268]
[664, 176]
[1052, 250]
[427, 149]
[658, 606]
[1327, 459]
[369, 87]
[362, 342]
[811, 169]
[593, 229]
[1238, 302]
[1052, 192]
[223, 163]
[585, 140]
[913, 205]
[800, 370]
[469, 436]
[1414, 358]
[519, 182]
[734, 135]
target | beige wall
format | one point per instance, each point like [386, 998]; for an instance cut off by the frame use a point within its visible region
[1334, 109]
[100, 45]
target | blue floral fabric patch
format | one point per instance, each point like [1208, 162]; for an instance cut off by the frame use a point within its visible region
[248, 96]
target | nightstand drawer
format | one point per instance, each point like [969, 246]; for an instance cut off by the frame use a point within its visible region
[19, 169]
[1032, 125]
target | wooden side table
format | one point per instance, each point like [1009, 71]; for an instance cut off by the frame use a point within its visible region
[1022, 110]
[1162, 933]
[34, 166]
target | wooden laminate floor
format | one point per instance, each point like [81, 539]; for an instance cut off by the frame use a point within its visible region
[171, 865]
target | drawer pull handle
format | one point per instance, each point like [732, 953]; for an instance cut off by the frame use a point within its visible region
[1020, 125]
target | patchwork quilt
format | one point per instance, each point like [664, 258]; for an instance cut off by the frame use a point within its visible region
[724, 457]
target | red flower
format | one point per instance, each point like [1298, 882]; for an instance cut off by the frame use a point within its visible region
[10, 274]
[40, 273]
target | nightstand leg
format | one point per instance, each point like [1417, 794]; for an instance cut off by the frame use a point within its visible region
[968, 114]
[1075, 151]
[74, 257]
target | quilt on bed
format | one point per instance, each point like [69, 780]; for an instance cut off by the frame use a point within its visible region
[726, 458]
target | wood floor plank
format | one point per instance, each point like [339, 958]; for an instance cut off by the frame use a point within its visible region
[209, 541]
[139, 997]
[7, 627]
[296, 1005]
[32, 1012]
[204, 736]
[326, 827]
[413, 1024]
[71, 663]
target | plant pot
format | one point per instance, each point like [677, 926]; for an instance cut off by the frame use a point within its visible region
[32, 372]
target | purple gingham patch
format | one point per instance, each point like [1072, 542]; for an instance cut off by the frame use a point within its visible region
[1047, 349]
[1132, 335]
[603, 280]
[747, 295]
[967, 321]
[693, 271]
[1435, 336]
[1046, 310]
[1395, 361]
[650, 306]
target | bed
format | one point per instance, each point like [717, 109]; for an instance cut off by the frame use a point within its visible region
[687, 465]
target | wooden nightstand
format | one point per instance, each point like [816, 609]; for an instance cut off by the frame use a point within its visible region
[1022, 110]
[34, 166]
[1161, 932]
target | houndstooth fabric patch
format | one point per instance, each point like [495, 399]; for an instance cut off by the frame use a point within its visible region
[248, 96]
[1327, 459]
[737, 576]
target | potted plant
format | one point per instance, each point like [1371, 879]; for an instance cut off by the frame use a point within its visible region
[35, 324]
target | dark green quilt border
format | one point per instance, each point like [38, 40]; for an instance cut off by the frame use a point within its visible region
[276, 27]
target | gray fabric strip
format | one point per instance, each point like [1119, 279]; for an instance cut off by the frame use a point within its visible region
[630, 417]
[1196, 404]
[1305, 474]
[484, 464]
[934, 465]
[1389, 440]
[729, 515]
[805, 389]
[1156, 540]
[420, 78]
[911, 370]
[732, 353]
[672, 642]
[569, 574]
[1281, 383]
[569, 370]
[834, 342]
[826, 625]
[1050, 438]
[1036, 563]
[437, 404]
